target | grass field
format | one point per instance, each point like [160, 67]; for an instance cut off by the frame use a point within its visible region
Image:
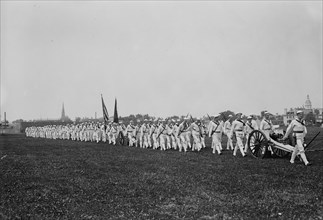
[60, 179]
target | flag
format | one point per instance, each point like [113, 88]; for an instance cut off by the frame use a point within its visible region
[105, 112]
[115, 117]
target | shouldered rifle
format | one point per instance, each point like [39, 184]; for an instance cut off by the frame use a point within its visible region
[180, 131]
[161, 132]
[217, 125]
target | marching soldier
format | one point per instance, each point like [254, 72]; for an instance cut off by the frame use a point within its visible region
[103, 133]
[172, 134]
[204, 132]
[148, 135]
[215, 129]
[143, 135]
[169, 130]
[238, 128]
[227, 130]
[189, 134]
[250, 126]
[177, 140]
[297, 126]
[162, 134]
[196, 133]
[114, 133]
[182, 134]
[130, 130]
[137, 133]
[266, 126]
[153, 134]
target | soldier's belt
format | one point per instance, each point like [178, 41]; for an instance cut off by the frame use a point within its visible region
[298, 131]
[238, 130]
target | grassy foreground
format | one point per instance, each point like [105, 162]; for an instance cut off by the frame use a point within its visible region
[59, 179]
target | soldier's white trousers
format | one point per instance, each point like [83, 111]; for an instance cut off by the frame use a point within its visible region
[216, 143]
[239, 137]
[299, 149]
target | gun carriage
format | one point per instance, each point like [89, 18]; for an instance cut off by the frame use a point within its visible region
[260, 146]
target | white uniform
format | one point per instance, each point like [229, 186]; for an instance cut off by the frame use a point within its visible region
[182, 133]
[169, 131]
[196, 133]
[154, 133]
[238, 128]
[266, 126]
[161, 135]
[299, 130]
[227, 130]
[143, 136]
[215, 131]
[176, 137]
[130, 130]
[250, 126]
[114, 134]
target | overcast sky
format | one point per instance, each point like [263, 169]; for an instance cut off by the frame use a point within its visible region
[159, 58]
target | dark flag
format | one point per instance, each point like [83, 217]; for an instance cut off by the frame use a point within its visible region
[105, 112]
[115, 118]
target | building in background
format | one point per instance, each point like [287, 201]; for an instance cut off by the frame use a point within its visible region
[312, 115]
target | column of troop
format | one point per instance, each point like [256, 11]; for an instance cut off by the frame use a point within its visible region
[181, 135]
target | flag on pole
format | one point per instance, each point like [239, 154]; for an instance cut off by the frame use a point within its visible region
[105, 112]
[115, 117]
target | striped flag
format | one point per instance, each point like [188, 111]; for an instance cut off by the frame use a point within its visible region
[105, 112]
[115, 117]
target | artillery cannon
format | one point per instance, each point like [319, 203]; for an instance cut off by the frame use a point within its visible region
[260, 145]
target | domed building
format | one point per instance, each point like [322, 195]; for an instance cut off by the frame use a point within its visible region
[307, 108]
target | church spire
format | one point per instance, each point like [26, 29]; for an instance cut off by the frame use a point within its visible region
[63, 113]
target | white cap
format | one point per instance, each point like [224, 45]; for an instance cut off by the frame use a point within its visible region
[299, 112]
[249, 117]
[230, 116]
[239, 113]
[266, 113]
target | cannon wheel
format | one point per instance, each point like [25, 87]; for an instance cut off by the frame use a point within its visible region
[278, 152]
[258, 144]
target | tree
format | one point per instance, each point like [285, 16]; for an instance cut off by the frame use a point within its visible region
[225, 114]
[310, 117]
[77, 120]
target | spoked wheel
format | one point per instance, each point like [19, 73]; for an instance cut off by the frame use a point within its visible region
[258, 144]
[279, 152]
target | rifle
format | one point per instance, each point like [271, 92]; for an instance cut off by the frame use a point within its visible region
[192, 120]
[180, 131]
[200, 131]
[153, 130]
[217, 125]
[161, 132]
[312, 140]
